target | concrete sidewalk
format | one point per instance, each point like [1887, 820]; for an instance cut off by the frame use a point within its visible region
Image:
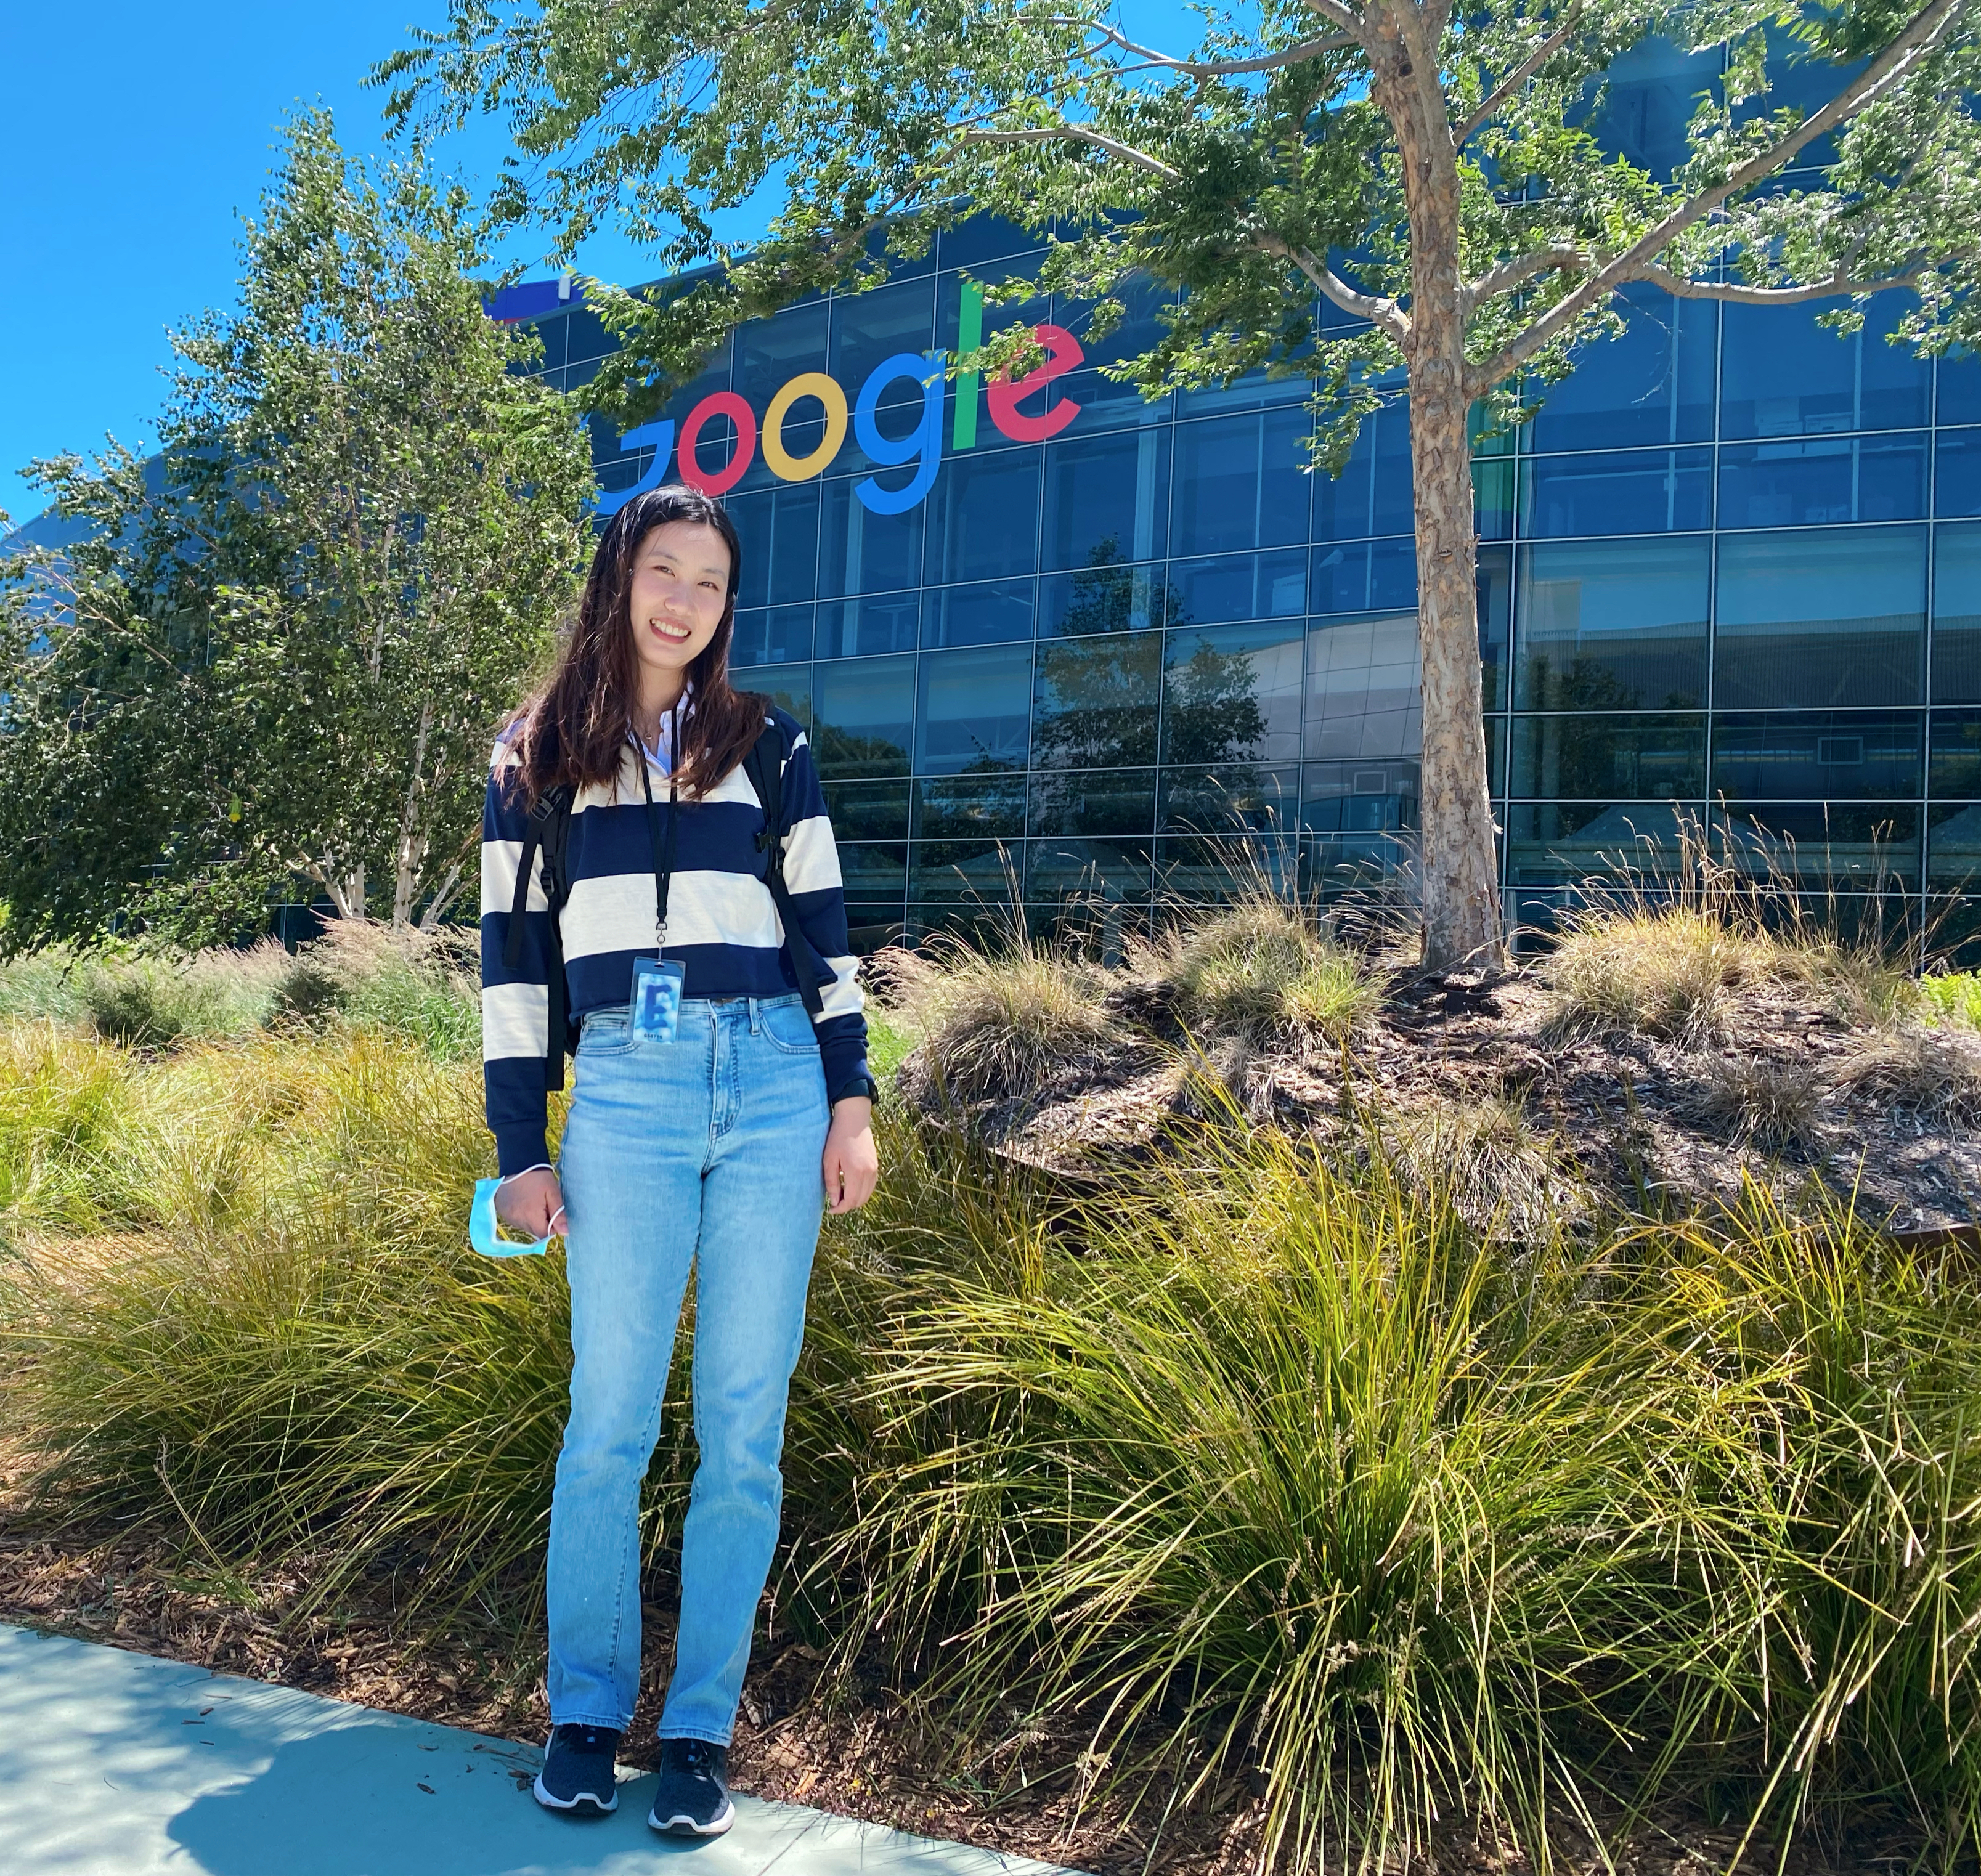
[120, 1764]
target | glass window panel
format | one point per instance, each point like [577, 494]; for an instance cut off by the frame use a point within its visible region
[1647, 98]
[1095, 701]
[1956, 472]
[1620, 492]
[1824, 844]
[1233, 694]
[1238, 586]
[1107, 498]
[1959, 397]
[1831, 479]
[1630, 758]
[1783, 375]
[1140, 327]
[1836, 754]
[872, 870]
[1371, 576]
[1255, 390]
[1095, 802]
[1241, 482]
[1494, 487]
[970, 807]
[1827, 617]
[963, 872]
[871, 328]
[982, 237]
[1956, 615]
[1653, 384]
[1563, 842]
[995, 316]
[1954, 765]
[1363, 698]
[1372, 796]
[788, 686]
[1496, 756]
[865, 710]
[1102, 872]
[782, 635]
[552, 333]
[1372, 494]
[984, 516]
[849, 628]
[863, 552]
[1953, 847]
[1102, 598]
[1105, 404]
[986, 615]
[1332, 864]
[1199, 869]
[1614, 625]
[867, 811]
[1245, 796]
[1493, 579]
[585, 336]
[779, 530]
[975, 710]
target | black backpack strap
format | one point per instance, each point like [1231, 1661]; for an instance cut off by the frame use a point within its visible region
[547, 831]
[764, 765]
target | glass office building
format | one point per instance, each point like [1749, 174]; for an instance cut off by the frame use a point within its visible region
[1108, 651]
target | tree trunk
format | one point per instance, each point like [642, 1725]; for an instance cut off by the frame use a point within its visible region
[1462, 924]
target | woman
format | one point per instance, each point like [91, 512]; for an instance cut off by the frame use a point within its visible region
[698, 1131]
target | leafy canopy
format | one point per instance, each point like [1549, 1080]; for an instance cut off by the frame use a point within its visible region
[282, 646]
[1831, 151]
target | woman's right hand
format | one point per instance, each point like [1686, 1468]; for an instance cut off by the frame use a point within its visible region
[531, 1202]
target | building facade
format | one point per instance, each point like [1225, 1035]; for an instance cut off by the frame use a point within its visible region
[1058, 640]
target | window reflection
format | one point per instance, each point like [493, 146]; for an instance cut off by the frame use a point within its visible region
[787, 687]
[1841, 755]
[1101, 801]
[984, 516]
[865, 710]
[1619, 492]
[1362, 698]
[1199, 869]
[1828, 479]
[984, 614]
[1372, 494]
[779, 530]
[1826, 616]
[868, 811]
[1102, 872]
[962, 807]
[863, 552]
[1369, 576]
[1653, 384]
[1956, 615]
[1105, 596]
[1095, 702]
[782, 635]
[849, 628]
[1564, 842]
[975, 711]
[1620, 625]
[1238, 586]
[1236, 797]
[1784, 375]
[1233, 693]
[1632, 758]
[1841, 844]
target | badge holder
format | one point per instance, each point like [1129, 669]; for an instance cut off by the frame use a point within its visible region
[657, 998]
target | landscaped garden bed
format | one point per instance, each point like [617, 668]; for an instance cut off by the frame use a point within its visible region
[1278, 1406]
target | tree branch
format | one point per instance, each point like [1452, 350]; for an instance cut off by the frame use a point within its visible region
[1489, 106]
[1344, 18]
[1837, 286]
[1209, 68]
[1886, 68]
[1373, 307]
[1076, 133]
[1508, 275]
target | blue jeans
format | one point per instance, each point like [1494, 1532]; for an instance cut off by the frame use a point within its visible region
[702, 1151]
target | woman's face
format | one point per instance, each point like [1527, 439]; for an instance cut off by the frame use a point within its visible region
[680, 583]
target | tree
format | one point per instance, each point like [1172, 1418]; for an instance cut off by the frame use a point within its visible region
[1434, 175]
[285, 641]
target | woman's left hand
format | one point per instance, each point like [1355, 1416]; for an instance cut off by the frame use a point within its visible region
[852, 1166]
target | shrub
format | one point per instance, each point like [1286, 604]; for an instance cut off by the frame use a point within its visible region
[1935, 1073]
[1261, 968]
[1770, 1102]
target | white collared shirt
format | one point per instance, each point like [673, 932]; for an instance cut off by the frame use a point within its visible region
[659, 753]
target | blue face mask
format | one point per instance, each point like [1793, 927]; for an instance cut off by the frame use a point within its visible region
[481, 1227]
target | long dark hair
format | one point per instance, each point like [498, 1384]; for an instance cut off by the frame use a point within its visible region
[574, 730]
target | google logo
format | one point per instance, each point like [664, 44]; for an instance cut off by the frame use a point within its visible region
[921, 446]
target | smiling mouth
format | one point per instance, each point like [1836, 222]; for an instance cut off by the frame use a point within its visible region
[673, 634]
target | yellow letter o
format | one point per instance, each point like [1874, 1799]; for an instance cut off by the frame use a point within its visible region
[802, 468]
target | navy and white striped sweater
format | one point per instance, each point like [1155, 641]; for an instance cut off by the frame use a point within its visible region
[721, 923]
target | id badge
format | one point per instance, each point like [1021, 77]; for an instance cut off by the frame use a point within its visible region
[657, 997]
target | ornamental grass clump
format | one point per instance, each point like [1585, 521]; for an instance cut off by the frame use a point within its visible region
[1260, 969]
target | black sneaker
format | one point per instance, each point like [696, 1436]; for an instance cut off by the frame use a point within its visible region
[578, 1770]
[694, 1797]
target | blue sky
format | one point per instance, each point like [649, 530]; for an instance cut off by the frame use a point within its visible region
[132, 139]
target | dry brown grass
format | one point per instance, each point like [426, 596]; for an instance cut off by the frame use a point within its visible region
[1486, 1159]
[1759, 1100]
[1934, 1073]
[1666, 972]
